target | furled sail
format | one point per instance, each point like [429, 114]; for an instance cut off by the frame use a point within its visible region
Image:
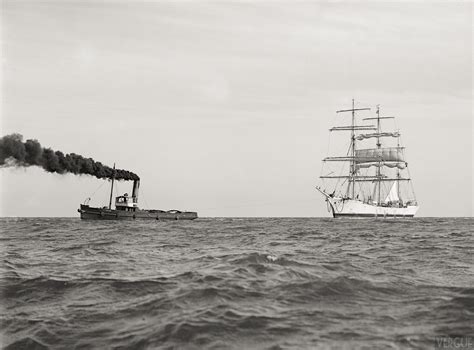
[393, 194]
[371, 155]
[399, 165]
[377, 134]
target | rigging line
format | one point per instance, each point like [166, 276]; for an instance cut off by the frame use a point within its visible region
[142, 196]
[256, 204]
[411, 184]
[98, 188]
[327, 154]
[396, 125]
[329, 144]
[407, 170]
[341, 147]
[341, 172]
[144, 199]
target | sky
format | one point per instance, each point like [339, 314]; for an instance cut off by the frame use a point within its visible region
[224, 107]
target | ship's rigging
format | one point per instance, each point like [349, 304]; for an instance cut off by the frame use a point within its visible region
[376, 175]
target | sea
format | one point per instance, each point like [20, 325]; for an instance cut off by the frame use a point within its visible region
[236, 283]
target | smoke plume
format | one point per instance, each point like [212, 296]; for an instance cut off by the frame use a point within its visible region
[30, 153]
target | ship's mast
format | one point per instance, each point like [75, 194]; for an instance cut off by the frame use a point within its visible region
[366, 158]
[353, 128]
[112, 189]
[353, 163]
[378, 146]
[398, 172]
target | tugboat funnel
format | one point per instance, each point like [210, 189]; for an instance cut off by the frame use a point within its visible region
[136, 186]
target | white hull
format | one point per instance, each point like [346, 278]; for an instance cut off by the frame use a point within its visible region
[355, 208]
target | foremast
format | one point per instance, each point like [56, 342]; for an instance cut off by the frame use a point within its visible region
[352, 149]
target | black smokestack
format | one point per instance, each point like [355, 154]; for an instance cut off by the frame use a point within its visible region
[31, 153]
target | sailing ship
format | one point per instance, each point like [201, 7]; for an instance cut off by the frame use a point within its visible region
[369, 180]
[126, 208]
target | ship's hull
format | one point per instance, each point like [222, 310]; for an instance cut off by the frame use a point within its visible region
[355, 208]
[93, 213]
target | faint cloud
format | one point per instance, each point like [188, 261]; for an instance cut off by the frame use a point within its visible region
[85, 56]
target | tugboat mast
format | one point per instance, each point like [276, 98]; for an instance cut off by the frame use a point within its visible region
[112, 189]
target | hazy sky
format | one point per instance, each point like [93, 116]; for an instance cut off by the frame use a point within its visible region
[224, 107]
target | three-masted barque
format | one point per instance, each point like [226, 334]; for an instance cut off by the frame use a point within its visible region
[369, 180]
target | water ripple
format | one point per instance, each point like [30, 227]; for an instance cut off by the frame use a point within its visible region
[265, 283]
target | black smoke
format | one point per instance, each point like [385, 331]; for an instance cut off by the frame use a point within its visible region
[30, 153]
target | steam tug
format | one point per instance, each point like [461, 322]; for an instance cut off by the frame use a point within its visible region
[126, 208]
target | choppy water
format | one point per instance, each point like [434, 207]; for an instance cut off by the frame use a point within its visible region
[235, 283]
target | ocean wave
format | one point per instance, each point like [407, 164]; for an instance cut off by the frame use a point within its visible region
[26, 343]
[235, 283]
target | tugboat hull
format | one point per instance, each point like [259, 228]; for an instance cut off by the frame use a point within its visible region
[93, 213]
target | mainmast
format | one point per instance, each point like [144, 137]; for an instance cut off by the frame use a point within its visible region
[353, 163]
[378, 146]
[379, 177]
[398, 171]
[112, 189]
